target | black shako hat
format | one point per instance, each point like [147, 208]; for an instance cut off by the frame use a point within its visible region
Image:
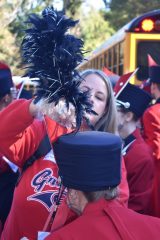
[89, 161]
[134, 99]
[6, 82]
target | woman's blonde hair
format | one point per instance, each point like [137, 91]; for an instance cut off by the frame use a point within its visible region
[107, 123]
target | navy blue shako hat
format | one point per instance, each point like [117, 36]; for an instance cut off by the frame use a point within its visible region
[137, 99]
[6, 82]
[131, 97]
[89, 161]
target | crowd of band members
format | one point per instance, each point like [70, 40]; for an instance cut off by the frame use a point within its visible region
[119, 111]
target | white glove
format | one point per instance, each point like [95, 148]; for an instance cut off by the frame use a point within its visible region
[59, 113]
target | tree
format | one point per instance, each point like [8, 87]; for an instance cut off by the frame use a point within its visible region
[94, 29]
[122, 11]
[13, 15]
[71, 6]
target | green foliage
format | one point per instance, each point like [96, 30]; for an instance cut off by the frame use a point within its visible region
[71, 7]
[94, 29]
[123, 11]
[13, 15]
[8, 50]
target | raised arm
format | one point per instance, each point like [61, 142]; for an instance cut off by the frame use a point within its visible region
[21, 133]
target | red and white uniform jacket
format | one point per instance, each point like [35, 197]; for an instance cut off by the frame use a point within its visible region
[37, 190]
[140, 171]
[20, 136]
[109, 220]
[151, 125]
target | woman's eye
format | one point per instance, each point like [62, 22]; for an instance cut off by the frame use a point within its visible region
[99, 98]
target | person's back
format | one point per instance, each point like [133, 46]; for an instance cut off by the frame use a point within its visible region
[131, 103]
[92, 191]
[140, 171]
[151, 117]
[108, 220]
[151, 125]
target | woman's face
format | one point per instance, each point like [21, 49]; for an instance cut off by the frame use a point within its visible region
[99, 95]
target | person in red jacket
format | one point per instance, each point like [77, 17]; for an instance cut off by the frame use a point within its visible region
[131, 103]
[7, 88]
[60, 97]
[151, 125]
[92, 182]
[8, 172]
[19, 142]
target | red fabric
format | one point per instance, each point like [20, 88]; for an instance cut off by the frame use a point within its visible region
[140, 171]
[151, 124]
[4, 66]
[64, 215]
[18, 142]
[108, 220]
[108, 72]
[122, 82]
[123, 187]
[20, 137]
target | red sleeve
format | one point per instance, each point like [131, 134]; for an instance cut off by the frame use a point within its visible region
[151, 122]
[140, 166]
[21, 134]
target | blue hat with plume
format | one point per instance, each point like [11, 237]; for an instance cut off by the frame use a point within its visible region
[6, 82]
[51, 55]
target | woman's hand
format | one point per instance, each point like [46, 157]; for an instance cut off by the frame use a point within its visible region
[60, 113]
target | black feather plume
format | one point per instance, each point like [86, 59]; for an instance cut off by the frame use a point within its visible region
[52, 55]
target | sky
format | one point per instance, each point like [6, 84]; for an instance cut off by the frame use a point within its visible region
[96, 3]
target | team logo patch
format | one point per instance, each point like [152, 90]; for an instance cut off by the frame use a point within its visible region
[46, 198]
[39, 181]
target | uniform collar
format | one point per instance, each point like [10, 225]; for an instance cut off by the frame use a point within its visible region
[158, 100]
[128, 142]
[129, 139]
[98, 205]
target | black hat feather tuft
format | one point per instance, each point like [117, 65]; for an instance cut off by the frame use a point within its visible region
[52, 55]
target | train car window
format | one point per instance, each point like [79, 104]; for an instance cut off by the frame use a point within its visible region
[143, 49]
[106, 59]
[121, 58]
[101, 61]
[110, 59]
[115, 63]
